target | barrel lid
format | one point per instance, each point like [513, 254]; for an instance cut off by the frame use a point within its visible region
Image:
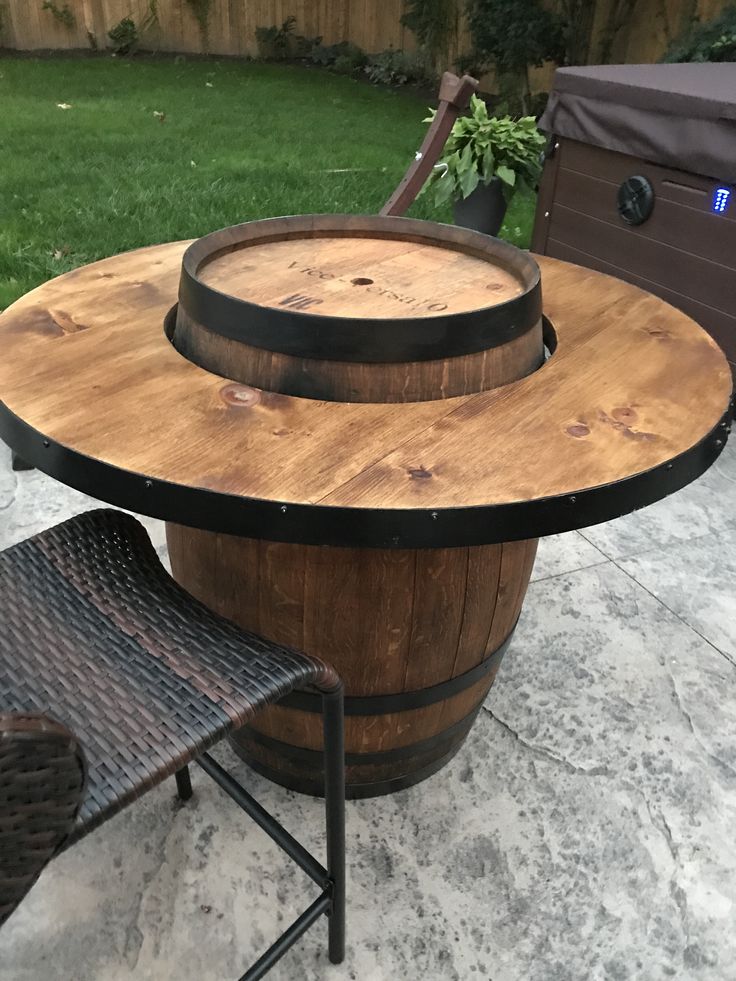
[358, 275]
[360, 288]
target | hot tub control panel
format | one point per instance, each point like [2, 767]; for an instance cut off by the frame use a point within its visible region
[721, 200]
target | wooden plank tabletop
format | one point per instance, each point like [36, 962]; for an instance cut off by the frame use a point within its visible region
[633, 404]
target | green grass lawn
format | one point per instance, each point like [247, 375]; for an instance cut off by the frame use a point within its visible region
[238, 141]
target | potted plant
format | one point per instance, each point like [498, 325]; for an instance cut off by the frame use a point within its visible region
[485, 161]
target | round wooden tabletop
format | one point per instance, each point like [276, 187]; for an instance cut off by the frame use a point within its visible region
[633, 403]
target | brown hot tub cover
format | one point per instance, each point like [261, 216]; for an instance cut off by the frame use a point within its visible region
[681, 116]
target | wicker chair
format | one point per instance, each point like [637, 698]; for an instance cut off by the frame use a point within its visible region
[113, 678]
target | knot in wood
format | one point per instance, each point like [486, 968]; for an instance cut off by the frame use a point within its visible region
[242, 396]
[625, 414]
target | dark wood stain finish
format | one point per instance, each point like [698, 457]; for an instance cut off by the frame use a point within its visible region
[360, 275]
[390, 620]
[632, 388]
[116, 411]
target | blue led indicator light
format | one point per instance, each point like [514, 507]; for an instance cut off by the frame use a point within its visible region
[721, 200]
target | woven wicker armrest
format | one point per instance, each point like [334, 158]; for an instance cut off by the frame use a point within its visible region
[42, 777]
[95, 633]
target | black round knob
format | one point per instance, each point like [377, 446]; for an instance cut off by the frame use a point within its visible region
[635, 200]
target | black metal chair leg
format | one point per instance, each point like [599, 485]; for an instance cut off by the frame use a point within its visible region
[334, 741]
[18, 463]
[183, 783]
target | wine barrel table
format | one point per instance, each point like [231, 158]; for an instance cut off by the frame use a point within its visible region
[357, 428]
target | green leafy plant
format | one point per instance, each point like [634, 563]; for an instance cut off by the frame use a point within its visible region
[435, 24]
[324, 54]
[469, 63]
[276, 43]
[481, 148]
[513, 35]
[395, 67]
[712, 41]
[63, 15]
[201, 11]
[124, 36]
[344, 58]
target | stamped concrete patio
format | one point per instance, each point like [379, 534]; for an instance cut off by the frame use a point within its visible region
[587, 830]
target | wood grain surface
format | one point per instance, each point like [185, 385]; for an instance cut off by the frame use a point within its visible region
[351, 381]
[86, 364]
[358, 308]
[389, 620]
[357, 276]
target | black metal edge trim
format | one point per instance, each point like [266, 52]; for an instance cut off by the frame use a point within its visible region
[399, 753]
[372, 341]
[318, 524]
[353, 791]
[366, 341]
[405, 701]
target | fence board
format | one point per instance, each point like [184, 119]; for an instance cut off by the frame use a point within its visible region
[373, 26]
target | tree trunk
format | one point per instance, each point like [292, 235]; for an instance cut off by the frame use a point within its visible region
[619, 15]
[580, 17]
[526, 92]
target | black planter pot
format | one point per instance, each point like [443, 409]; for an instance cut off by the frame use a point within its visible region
[484, 210]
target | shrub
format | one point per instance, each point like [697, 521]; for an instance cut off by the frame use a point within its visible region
[124, 36]
[344, 58]
[350, 62]
[435, 24]
[712, 41]
[324, 54]
[395, 67]
[270, 42]
[470, 63]
[278, 43]
[513, 35]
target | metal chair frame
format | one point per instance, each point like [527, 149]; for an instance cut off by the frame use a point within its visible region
[331, 880]
[112, 679]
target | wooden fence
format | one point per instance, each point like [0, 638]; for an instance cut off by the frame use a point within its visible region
[230, 29]
[641, 28]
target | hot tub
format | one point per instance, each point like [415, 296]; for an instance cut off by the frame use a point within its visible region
[639, 183]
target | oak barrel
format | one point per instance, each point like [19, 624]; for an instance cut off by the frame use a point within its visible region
[362, 309]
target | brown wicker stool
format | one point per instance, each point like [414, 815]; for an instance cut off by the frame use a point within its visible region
[112, 678]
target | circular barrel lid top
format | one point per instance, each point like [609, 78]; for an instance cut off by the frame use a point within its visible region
[361, 276]
[360, 288]
[633, 404]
